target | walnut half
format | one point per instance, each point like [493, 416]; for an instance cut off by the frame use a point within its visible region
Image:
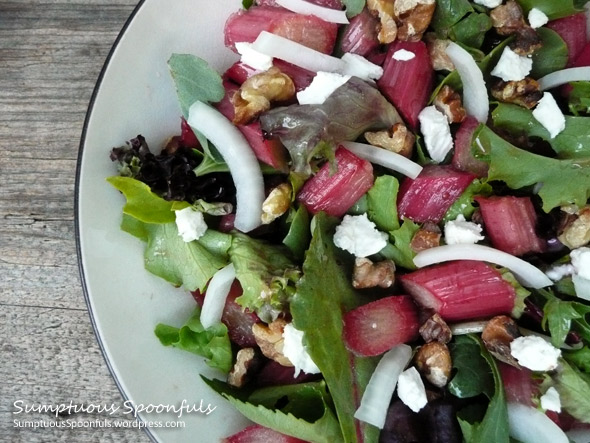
[575, 232]
[449, 103]
[525, 92]
[397, 139]
[367, 274]
[497, 335]
[436, 329]
[246, 361]
[433, 360]
[413, 18]
[270, 340]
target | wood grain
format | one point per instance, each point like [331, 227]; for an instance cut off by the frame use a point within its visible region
[51, 53]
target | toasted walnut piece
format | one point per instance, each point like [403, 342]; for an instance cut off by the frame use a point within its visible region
[277, 203]
[436, 329]
[497, 335]
[525, 92]
[413, 18]
[270, 340]
[246, 360]
[256, 94]
[433, 360]
[437, 49]
[397, 139]
[367, 274]
[428, 236]
[383, 9]
[575, 232]
[508, 18]
[449, 103]
[527, 42]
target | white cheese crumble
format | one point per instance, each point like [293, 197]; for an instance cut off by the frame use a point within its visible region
[549, 115]
[460, 231]
[403, 55]
[537, 18]
[512, 66]
[558, 272]
[321, 87]
[190, 223]
[359, 236]
[437, 133]
[252, 57]
[295, 351]
[535, 353]
[550, 400]
[410, 389]
[358, 66]
[581, 262]
[489, 3]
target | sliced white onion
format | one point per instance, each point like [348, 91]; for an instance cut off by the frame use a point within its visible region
[529, 425]
[475, 94]
[564, 76]
[385, 158]
[468, 327]
[242, 163]
[303, 7]
[296, 53]
[582, 286]
[579, 435]
[377, 395]
[527, 274]
[216, 296]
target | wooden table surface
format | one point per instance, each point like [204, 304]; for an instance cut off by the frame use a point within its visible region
[51, 53]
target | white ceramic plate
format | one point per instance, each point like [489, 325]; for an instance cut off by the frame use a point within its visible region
[135, 95]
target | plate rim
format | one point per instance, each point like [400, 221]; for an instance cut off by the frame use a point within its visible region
[81, 271]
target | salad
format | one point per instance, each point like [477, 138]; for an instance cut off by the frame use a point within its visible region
[382, 213]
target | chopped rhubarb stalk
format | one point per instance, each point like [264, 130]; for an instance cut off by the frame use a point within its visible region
[308, 30]
[271, 152]
[360, 36]
[519, 385]
[408, 83]
[461, 290]
[463, 159]
[431, 194]
[260, 434]
[239, 72]
[378, 326]
[188, 139]
[336, 193]
[583, 58]
[572, 30]
[238, 321]
[510, 223]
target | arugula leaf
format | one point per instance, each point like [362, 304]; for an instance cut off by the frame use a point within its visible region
[185, 264]
[551, 8]
[474, 375]
[574, 391]
[579, 358]
[552, 56]
[492, 428]
[300, 410]
[142, 203]
[324, 293]
[247, 4]
[212, 343]
[400, 251]
[265, 271]
[471, 30]
[579, 98]
[562, 316]
[382, 203]
[299, 233]
[572, 142]
[449, 13]
[464, 204]
[353, 7]
[519, 168]
[195, 81]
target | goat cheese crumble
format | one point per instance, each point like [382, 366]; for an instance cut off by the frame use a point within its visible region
[537, 18]
[191, 224]
[403, 55]
[489, 3]
[252, 57]
[437, 133]
[512, 67]
[581, 262]
[535, 353]
[321, 87]
[460, 231]
[550, 400]
[295, 351]
[549, 115]
[359, 236]
[410, 389]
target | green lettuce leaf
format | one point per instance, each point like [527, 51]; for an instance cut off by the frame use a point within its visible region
[353, 7]
[579, 358]
[398, 249]
[449, 13]
[564, 181]
[579, 98]
[212, 343]
[352, 109]
[572, 142]
[266, 273]
[382, 203]
[302, 410]
[552, 56]
[574, 391]
[473, 376]
[324, 294]
[464, 205]
[299, 235]
[551, 8]
[471, 30]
